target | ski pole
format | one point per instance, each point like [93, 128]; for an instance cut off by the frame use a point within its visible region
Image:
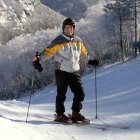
[37, 65]
[95, 63]
[96, 93]
[32, 87]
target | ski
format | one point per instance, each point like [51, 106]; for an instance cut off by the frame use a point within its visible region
[77, 124]
[88, 124]
[54, 121]
[64, 121]
[118, 126]
[85, 121]
[91, 125]
[101, 126]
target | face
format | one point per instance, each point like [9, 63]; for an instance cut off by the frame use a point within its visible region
[68, 30]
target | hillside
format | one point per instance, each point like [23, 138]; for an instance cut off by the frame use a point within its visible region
[71, 8]
[22, 17]
[118, 104]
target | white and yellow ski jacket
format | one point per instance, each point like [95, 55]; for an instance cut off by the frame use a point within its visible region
[66, 52]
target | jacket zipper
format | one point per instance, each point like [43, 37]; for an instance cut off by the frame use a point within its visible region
[60, 64]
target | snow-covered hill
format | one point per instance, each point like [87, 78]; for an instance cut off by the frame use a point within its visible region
[25, 16]
[118, 104]
[71, 8]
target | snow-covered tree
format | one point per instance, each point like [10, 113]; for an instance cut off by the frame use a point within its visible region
[121, 15]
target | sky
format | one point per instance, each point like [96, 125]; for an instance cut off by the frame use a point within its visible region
[118, 105]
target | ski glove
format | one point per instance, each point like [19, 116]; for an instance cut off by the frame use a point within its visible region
[93, 62]
[36, 63]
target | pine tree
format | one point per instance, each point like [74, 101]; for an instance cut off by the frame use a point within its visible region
[121, 13]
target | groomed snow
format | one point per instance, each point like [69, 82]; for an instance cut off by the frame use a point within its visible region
[118, 88]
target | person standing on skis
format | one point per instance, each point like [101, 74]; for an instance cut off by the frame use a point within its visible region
[67, 49]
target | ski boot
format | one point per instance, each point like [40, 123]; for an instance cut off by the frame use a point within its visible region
[61, 118]
[78, 117]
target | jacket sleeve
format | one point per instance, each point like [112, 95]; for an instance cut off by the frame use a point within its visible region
[55, 46]
[49, 50]
[83, 49]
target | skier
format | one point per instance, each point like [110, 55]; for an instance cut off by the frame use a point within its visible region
[67, 48]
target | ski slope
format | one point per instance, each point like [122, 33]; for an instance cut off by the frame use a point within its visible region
[118, 88]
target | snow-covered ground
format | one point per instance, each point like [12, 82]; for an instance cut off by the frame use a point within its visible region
[118, 104]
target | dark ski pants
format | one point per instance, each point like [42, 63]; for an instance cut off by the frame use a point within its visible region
[73, 80]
